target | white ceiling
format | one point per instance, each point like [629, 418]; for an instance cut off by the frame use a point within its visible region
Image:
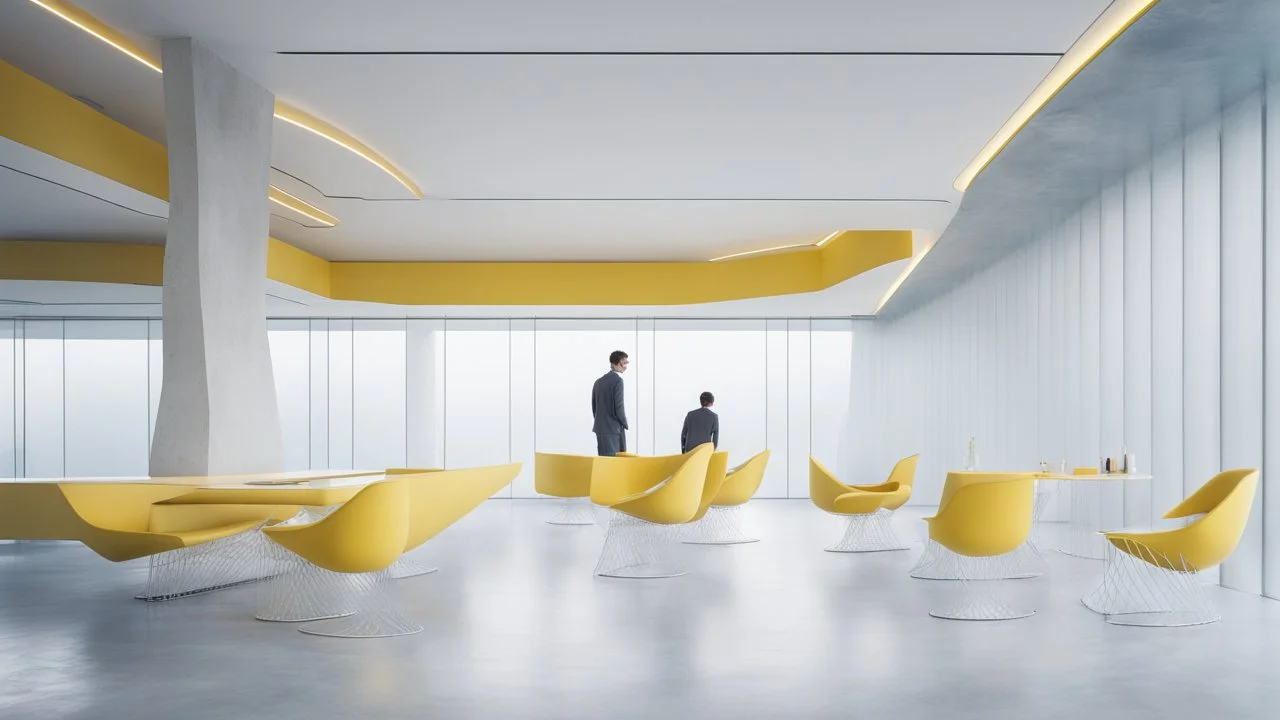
[562, 156]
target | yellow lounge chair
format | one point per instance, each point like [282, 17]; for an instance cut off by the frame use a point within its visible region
[1150, 577]
[722, 524]
[868, 528]
[937, 562]
[986, 518]
[648, 496]
[347, 553]
[439, 498]
[568, 477]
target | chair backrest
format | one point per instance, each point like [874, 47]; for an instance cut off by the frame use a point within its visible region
[439, 499]
[986, 517]
[717, 468]
[365, 534]
[824, 488]
[614, 479]
[677, 499]
[904, 472]
[562, 475]
[1225, 502]
[742, 482]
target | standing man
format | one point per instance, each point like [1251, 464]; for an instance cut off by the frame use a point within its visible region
[701, 425]
[607, 408]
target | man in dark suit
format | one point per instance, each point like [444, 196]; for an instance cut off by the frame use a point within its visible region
[607, 408]
[701, 425]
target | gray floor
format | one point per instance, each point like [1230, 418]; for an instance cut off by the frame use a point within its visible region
[517, 627]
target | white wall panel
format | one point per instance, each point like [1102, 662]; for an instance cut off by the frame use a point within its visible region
[1111, 334]
[341, 399]
[290, 342]
[1271, 423]
[318, 357]
[523, 397]
[424, 392]
[1165, 461]
[8, 407]
[1201, 308]
[379, 387]
[155, 374]
[1136, 286]
[43, 400]
[799, 409]
[1242, 338]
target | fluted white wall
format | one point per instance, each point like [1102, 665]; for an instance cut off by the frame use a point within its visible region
[1140, 320]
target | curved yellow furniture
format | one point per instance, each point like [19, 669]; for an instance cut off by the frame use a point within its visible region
[569, 477]
[439, 498]
[115, 520]
[722, 524]
[940, 563]
[349, 548]
[647, 494]
[898, 486]
[717, 471]
[985, 516]
[868, 529]
[1149, 579]
[742, 482]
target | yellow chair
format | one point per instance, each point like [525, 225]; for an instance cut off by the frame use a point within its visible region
[648, 496]
[937, 562]
[191, 549]
[987, 517]
[439, 498]
[568, 477]
[868, 528]
[1150, 577]
[722, 524]
[347, 554]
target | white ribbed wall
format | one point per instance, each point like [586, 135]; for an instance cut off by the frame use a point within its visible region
[1141, 320]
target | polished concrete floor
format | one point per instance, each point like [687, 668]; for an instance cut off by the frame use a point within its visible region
[517, 627]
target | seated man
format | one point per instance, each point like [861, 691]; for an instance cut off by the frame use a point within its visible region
[701, 425]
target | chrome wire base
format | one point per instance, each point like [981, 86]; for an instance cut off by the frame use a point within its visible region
[301, 592]
[939, 563]
[720, 526]
[1145, 588]
[574, 511]
[634, 548]
[374, 616]
[979, 599]
[215, 565]
[406, 568]
[869, 532]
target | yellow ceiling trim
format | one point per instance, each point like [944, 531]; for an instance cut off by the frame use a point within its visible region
[1110, 25]
[300, 206]
[516, 283]
[292, 115]
[779, 248]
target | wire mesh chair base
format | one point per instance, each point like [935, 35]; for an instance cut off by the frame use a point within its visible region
[720, 526]
[374, 616]
[301, 591]
[406, 568]
[869, 532]
[574, 511]
[1143, 587]
[939, 563]
[215, 565]
[634, 548]
[980, 599]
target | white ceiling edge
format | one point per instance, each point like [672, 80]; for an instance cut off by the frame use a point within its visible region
[21, 158]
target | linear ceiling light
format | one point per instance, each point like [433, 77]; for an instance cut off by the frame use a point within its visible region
[99, 29]
[283, 111]
[897, 283]
[300, 206]
[780, 248]
[335, 135]
[1110, 25]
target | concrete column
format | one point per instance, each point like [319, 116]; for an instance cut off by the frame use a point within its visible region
[218, 411]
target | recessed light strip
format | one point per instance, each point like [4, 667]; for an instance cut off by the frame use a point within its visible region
[1110, 25]
[283, 111]
[780, 248]
[300, 206]
[100, 30]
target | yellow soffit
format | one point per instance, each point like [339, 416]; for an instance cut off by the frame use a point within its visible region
[488, 283]
[292, 115]
[1110, 25]
[51, 122]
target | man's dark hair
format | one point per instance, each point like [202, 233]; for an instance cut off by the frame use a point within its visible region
[617, 356]
[706, 398]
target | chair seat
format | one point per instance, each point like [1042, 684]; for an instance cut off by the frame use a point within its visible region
[204, 535]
